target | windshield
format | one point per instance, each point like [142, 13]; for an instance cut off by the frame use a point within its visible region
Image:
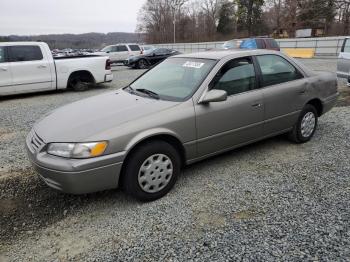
[106, 49]
[175, 79]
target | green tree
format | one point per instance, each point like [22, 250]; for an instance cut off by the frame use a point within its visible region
[317, 13]
[226, 18]
[249, 15]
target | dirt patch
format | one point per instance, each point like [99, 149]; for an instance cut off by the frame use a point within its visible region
[245, 214]
[344, 96]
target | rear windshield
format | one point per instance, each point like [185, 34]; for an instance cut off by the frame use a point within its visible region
[134, 48]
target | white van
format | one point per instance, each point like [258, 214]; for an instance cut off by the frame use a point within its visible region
[121, 52]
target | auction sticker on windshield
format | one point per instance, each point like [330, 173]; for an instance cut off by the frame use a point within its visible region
[193, 64]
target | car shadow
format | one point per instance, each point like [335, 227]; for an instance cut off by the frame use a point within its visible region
[27, 205]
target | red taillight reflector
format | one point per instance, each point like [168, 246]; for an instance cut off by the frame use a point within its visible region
[108, 64]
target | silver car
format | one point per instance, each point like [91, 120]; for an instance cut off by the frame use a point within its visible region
[186, 109]
[343, 66]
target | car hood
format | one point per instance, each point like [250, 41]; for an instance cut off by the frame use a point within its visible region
[82, 120]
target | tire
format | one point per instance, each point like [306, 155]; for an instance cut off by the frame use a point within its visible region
[142, 64]
[151, 171]
[306, 125]
[77, 85]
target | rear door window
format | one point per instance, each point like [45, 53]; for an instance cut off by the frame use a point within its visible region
[260, 43]
[346, 46]
[272, 43]
[122, 48]
[276, 70]
[23, 53]
[2, 54]
[134, 48]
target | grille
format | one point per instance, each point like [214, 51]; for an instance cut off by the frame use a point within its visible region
[36, 142]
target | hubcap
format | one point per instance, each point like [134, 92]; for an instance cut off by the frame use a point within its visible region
[142, 64]
[155, 173]
[308, 124]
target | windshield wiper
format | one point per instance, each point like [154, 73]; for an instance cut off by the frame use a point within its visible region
[148, 92]
[130, 89]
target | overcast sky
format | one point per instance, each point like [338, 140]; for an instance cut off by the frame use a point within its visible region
[33, 17]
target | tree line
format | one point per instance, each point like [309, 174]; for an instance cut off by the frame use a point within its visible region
[210, 20]
[79, 41]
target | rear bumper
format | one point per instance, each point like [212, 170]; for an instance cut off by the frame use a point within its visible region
[109, 78]
[329, 103]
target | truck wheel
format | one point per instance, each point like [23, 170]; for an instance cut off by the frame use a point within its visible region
[77, 85]
[151, 171]
[142, 64]
[306, 126]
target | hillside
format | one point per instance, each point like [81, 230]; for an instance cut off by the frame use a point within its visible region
[88, 40]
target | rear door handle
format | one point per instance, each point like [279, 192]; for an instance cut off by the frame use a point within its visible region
[3, 68]
[302, 91]
[42, 66]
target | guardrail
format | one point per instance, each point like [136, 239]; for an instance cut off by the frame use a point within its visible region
[323, 46]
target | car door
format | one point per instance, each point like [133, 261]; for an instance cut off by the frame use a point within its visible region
[134, 49]
[122, 53]
[343, 66]
[284, 89]
[239, 119]
[6, 86]
[158, 55]
[30, 71]
[111, 51]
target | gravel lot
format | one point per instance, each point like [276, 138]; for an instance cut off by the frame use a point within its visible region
[273, 200]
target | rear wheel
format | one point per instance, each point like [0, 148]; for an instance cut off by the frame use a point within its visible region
[151, 171]
[77, 85]
[306, 125]
[142, 64]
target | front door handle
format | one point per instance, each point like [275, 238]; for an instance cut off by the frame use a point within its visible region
[3, 68]
[41, 66]
[257, 105]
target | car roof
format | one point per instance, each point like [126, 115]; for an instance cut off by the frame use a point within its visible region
[220, 54]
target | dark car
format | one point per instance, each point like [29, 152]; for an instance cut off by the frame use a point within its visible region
[150, 58]
[259, 43]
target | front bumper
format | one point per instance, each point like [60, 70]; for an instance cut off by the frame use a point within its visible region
[75, 176]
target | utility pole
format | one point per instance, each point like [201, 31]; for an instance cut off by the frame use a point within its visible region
[176, 5]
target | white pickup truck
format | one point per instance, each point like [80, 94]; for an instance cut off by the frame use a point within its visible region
[30, 67]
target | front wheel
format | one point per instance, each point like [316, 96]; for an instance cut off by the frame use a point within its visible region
[142, 64]
[151, 170]
[306, 126]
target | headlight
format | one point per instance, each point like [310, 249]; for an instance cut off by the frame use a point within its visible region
[77, 150]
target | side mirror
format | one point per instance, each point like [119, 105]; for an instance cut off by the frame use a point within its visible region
[214, 95]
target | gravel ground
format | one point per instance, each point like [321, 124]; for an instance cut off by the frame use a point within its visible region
[269, 201]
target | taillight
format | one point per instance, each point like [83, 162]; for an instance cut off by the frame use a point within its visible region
[108, 64]
[141, 52]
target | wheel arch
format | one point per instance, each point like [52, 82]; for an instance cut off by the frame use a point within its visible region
[141, 139]
[317, 103]
[81, 74]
